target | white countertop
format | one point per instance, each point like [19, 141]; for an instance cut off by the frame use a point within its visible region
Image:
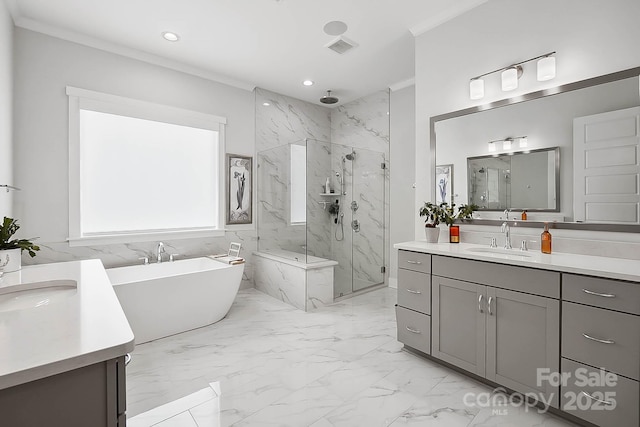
[81, 329]
[613, 268]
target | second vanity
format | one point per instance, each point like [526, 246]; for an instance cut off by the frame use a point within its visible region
[536, 324]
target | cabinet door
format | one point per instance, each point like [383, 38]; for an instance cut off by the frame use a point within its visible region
[458, 323]
[522, 337]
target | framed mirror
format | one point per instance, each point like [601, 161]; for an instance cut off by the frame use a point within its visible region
[523, 180]
[593, 126]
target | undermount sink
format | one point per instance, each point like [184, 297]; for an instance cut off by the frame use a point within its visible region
[36, 294]
[500, 251]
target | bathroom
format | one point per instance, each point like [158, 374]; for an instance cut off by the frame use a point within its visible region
[38, 62]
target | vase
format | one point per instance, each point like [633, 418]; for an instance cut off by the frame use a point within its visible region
[432, 234]
[12, 259]
[454, 234]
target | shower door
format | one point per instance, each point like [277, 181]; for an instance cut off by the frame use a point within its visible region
[358, 240]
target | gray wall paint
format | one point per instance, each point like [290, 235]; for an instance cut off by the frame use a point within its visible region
[6, 108]
[402, 174]
[573, 28]
[44, 66]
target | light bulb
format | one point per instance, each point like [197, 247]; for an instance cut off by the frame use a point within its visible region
[546, 68]
[509, 79]
[492, 147]
[476, 89]
[524, 142]
[506, 144]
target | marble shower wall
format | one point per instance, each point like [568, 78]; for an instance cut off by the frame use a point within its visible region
[284, 121]
[363, 125]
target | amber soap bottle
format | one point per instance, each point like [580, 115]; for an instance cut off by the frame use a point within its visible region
[545, 240]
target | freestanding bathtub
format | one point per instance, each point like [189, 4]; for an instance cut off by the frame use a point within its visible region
[165, 299]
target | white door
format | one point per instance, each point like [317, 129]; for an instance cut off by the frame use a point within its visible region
[606, 168]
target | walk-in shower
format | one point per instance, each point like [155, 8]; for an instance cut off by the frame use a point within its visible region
[299, 217]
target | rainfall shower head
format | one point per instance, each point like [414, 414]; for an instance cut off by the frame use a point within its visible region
[351, 155]
[328, 99]
[481, 170]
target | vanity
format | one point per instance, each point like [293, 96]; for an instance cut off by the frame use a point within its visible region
[63, 341]
[519, 320]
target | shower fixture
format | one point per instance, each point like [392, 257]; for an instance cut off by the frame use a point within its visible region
[328, 99]
[351, 155]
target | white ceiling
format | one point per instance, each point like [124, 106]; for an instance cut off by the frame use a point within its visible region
[272, 44]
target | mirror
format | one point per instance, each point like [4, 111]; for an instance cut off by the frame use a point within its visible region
[525, 180]
[551, 119]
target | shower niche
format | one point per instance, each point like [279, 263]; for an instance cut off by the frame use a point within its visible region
[302, 218]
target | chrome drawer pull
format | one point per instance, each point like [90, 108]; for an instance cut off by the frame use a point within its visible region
[587, 291]
[411, 291]
[598, 340]
[413, 262]
[480, 303]
[489, 306]
[415, 331]
[606, 402]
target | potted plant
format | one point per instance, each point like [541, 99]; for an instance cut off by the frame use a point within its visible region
[11, 250]
[434, 214]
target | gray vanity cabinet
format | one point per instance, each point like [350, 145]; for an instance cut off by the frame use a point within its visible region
[500, 334]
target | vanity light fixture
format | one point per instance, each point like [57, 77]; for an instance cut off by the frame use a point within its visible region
[524, 142]
[506, 144]
[492, 146]
[546, 70]
[170, 37]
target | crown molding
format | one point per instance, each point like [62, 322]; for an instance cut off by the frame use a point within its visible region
[444, 16]
[82, 39]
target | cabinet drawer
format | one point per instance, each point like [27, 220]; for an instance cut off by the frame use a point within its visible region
[605, 293]
[538, 282]
[414, 329]
[614, 342]
[414, 290]
[625, 392]
[415, 261]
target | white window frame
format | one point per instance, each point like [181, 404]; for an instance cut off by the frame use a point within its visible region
[113, 104]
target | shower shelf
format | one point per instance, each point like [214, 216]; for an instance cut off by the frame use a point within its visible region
[331, 194]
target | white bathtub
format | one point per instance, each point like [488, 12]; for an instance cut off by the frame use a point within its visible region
[165, 299]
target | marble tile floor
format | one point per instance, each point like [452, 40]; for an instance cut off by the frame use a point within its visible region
[269, 364]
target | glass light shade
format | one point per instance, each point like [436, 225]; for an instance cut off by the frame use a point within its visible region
[492, 147]
[476, 89]
[506, 144]
[524, 142]
[509, 79]
[546, 68]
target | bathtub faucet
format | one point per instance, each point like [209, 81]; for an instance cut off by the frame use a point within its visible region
[160, 251]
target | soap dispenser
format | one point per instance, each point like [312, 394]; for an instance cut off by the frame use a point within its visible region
[545, 240]
[327, 186]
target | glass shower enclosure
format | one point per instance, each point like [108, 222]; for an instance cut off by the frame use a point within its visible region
[302, 218]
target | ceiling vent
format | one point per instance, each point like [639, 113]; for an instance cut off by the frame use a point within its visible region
[341, 45]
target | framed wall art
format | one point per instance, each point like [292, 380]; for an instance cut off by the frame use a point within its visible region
[239, 189]
[444, 184]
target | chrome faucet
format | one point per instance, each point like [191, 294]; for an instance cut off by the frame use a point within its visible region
[507, 234]
[160, 252]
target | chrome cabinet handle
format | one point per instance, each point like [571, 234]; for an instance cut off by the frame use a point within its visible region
[411, 291]
[145, 260]
[489, 306]
[480, 298]
[587, 291]
[414, 262]
[415, 331]
[597, 339]
[127, 359]
[606, 402]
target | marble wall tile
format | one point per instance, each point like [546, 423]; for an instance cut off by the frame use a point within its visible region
[319, 287]
[287, 120]
[282, 281]
[117, 255]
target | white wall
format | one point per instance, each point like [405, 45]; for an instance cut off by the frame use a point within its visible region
[44, 66]
[6, 108]
[591, 38]
[402, 174]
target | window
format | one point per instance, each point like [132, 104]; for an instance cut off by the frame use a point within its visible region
[141, 171]
[298, 184]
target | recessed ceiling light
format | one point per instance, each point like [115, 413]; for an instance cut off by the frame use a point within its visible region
[335, 28]
[266, 104]
[307, 83]
[169, 36]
